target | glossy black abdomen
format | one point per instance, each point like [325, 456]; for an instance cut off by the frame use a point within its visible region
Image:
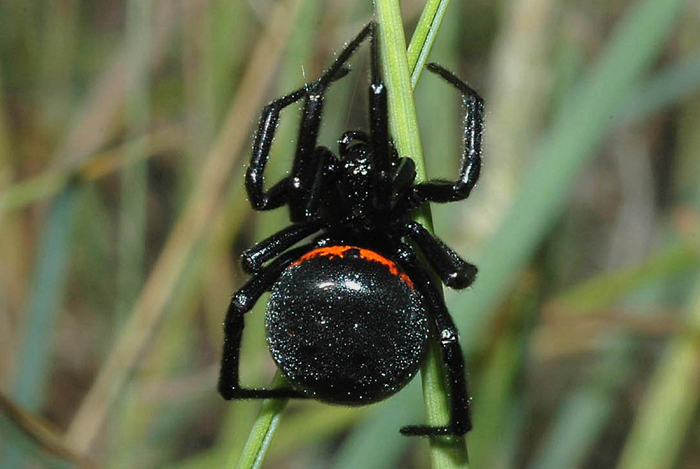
[346, 326]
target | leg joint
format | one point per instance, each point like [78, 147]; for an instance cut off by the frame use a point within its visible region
[449, 336]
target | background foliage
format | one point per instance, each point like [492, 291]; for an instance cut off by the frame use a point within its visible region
[124, 131]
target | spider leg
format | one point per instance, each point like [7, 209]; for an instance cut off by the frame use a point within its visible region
[454, 271]
[448, 339]
[326, 164]
[253, 258]
[450, 191]
[303, 174]
[242, 302]
[276, 196]
[380, 140]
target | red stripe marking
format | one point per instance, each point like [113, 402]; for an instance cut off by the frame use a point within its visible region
[366, 254]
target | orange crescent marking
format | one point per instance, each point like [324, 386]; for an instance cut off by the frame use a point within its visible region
[366, 254]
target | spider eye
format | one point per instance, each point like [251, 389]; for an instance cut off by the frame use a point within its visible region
[351, 147]
[350, 140]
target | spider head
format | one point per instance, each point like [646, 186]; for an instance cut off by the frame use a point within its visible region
[354, 181]
[355, 169]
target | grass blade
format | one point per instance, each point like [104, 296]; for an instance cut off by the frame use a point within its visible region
[445, 452]
[258, 443]
[675, 82]
[45, 302]
[424, 37]
[49, 183]
[602, 290]
[47, 294]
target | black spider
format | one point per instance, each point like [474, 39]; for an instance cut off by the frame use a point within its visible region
[348, 317]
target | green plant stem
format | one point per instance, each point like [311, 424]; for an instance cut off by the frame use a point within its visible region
[402, 112]
[261, 435]
[424, 37]
[45, 302]
[445, 452]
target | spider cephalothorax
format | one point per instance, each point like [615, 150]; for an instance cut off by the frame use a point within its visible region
[349, 312]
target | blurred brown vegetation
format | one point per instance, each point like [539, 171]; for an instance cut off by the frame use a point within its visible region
[124, 132]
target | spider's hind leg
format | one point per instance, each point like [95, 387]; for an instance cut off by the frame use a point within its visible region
[242, 302]
[448, 340]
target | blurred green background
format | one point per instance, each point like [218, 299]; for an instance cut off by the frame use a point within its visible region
[125, 128]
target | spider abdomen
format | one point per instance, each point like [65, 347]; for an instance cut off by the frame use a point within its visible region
[346, 325]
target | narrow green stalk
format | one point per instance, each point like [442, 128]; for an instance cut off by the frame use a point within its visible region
[424, 37]
[261, 435]
[445, 452]
[402, 112]
[673, 84]
[46, 299]
[601, 291]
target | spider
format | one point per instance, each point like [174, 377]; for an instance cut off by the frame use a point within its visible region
[350, 312]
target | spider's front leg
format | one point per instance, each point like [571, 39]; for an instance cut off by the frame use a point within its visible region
[278, 194]
[450, 191]
[303, 181]
[448, 340]
[242, 302]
